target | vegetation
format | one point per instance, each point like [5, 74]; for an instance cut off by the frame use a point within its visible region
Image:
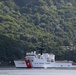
[24, 23]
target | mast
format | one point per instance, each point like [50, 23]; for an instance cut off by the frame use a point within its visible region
[42, 47]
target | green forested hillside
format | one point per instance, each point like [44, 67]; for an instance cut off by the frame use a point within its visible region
[24, 23]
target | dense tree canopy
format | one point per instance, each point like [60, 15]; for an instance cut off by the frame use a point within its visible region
[24, 23]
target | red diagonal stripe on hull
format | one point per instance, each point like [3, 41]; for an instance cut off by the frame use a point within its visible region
[28, 64]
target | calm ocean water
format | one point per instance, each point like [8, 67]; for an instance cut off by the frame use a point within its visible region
[14, 71]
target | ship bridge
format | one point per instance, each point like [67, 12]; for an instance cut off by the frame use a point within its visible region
[32, 56]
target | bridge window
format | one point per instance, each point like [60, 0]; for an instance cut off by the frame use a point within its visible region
[61, 65]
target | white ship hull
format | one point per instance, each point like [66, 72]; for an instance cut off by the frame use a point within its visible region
[22, 64]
